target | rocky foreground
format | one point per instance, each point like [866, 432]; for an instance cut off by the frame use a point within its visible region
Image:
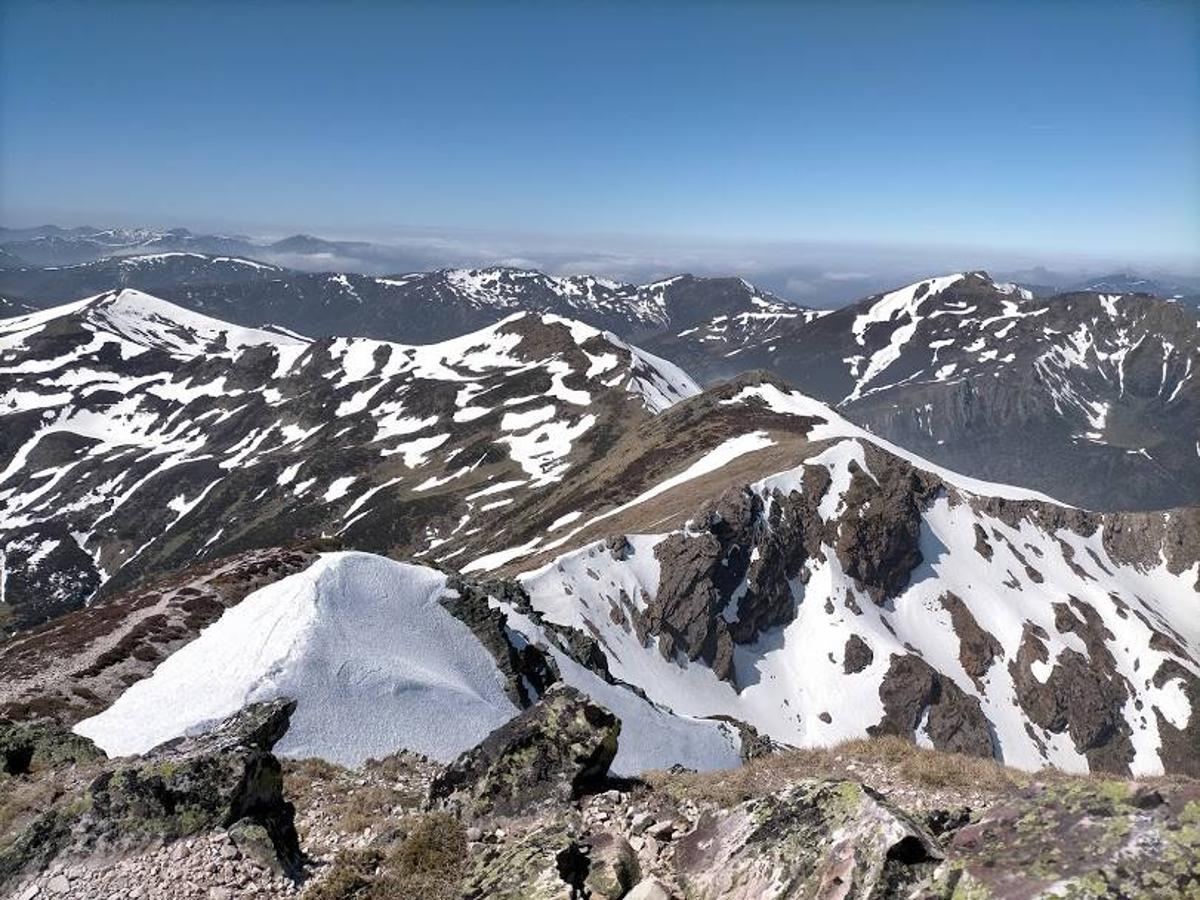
[532, 812]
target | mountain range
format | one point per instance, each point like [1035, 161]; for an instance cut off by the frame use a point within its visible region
[739, 554]
[1087, 396]
[528, 610]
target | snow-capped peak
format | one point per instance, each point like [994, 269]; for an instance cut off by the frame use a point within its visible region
[140, 321]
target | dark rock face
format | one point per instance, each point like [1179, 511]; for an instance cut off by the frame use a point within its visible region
[557, 750]
[976, 648]
[730, 582]
[1082, 696]
[1180, 747]
[912, 689]
[218, 779]
[857, 655]
[878, 543]
[528, 671]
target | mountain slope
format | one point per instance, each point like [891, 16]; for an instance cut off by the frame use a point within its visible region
[139, 437]
[817, 583]
[1094, 398]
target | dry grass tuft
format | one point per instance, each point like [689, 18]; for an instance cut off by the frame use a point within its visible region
[899, 762]
[427, 864]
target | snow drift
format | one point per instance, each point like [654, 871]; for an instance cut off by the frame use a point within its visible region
[376, 664]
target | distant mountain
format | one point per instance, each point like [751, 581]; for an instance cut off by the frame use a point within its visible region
[700, 321]
[719, 568]
[1186, 293]
[1093, 398]
[53, 246]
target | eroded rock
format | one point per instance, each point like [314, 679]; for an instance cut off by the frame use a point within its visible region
[557, 750]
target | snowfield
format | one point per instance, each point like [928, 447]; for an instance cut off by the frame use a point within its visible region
[375, 664]
[359, 641]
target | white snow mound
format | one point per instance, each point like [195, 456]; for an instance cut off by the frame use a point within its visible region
[374, 662]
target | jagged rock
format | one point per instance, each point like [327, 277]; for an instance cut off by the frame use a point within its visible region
[612, 866]
[826, 839]
[857, 655]
[976, 648]
[1082, 695]
[729, 582]
[912, 689]
[186, 786]
[558, 750]
[1178, 751]
[878, 542]
[528, 671]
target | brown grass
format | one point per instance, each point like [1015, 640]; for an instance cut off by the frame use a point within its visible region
[21, 799]
[427, 864]
[902, 761]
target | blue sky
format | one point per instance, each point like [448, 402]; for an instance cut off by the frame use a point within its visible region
[1067, 128]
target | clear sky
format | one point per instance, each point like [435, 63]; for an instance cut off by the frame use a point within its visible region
[1068, 127]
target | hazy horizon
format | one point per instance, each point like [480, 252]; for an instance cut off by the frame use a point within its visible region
[774, 139]
[817, 273]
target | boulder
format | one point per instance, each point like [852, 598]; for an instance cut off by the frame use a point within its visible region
[834, 840]
[648, 889]
[612, 866]
[557, 750]
[193, 784]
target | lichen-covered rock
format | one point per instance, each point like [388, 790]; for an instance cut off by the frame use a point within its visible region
[193, 784]
[612, 866]
[547, 862]
[833, 840]
[555, 751]
[1083, 838]
[30, 746]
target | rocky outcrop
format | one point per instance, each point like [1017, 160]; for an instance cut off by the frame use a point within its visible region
[917, 697]
[725, 581]
[878, 541]
[527, 669]
[226, 778]
[856, 655]
[1082, 695]
[1178, 749]
[557, 750]
[29, 747]
[827, 839]
[977, 648]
